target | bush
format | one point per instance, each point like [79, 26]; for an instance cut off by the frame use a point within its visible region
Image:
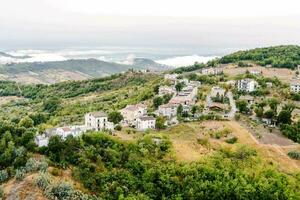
[118, 127]
[20, 174]
[222, 133]
[55, 171]
[60, 191]
[31, 165]
[1, 193]
[231, 140]
[294, 155]
[43, 181]
[43, 166]
[203, 141]
[3, 176]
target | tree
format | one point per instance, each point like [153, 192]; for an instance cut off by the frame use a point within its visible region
[179, 110]
[157, 101]
[115, 117]
[55, 148]
[26, 122]
[289, 107]
[160, 122]
[156, 89]
[270, 114]
[242, 105]
[194, 109]
[284, 117]
[179, 86]
[51, 105]
[167, 98]
[259, 111]
[273, 103]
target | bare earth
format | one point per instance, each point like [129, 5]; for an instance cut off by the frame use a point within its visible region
[46, 77]
[284, 75]
[187, 149]
[4, 100]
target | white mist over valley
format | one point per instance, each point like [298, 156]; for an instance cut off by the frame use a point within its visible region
[170, 57]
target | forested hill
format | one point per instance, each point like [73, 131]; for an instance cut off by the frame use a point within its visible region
[75, 69]
[285, 56]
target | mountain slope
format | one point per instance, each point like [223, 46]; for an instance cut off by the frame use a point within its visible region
[285, 56]
[79, 69]
[2, 54]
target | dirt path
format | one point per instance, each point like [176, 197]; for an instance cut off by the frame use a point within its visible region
[23, 190]
[264, 136]
[275, 153]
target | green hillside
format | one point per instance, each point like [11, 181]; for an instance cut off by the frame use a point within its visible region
[92, 67]
[278, 56]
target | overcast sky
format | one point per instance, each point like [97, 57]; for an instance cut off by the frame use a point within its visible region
[171, 23]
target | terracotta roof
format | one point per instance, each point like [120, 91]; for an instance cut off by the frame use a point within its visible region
[147, 118]
[65, 129]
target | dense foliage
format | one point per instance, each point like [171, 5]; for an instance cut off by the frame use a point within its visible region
[277, 56]
[112, 169]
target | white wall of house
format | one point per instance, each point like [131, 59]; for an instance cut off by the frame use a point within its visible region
[41, 140]
[247, 85]
[143, 123]
[168, 110]
[166, 90]
[131, 112]
[295, 87]
[98, 122]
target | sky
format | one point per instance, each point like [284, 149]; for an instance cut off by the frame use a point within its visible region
[211, 24]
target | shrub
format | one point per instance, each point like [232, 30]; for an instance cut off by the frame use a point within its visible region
[43, 181]
[20, 174]
[55, 171]
[118, 127]
[43, 166]
[60, 191]
[237, 116]
[222, 133]
[31, 165]
[3, 176]
[244, 152]
[203, 141]
[1, 193]
[294, 155]
[231, 140]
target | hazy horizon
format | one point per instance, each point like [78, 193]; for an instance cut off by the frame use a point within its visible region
[215, 25]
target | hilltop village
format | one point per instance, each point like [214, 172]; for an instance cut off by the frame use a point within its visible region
[227, 128]
[177, 100]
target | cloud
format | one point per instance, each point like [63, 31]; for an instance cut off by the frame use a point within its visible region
[185, 60]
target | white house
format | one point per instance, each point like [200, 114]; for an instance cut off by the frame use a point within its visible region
[145, 122]
[131, 112]
[98, 121]
[64, 132]
[295, 86]
[184, 81]
[171, 77]
[41, 140]
[247, 85]
[255, 72]
[166, 90]
[217, 91]
[194, 83]
[211, 71]
[168, 110]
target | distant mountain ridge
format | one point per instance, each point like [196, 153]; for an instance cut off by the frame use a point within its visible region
[74, 69]
[11, 56]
